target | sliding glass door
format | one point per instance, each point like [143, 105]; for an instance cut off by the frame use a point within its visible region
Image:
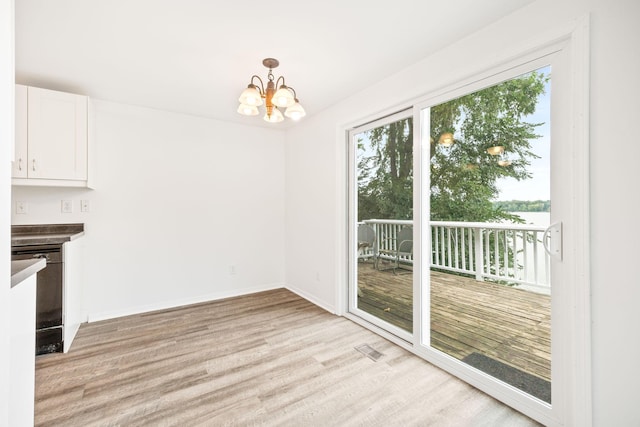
[381, 290]
[457, 211]
[489, 204]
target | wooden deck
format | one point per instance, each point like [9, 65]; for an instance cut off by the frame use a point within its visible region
[504, 323]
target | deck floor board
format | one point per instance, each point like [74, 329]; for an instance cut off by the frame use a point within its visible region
[505, 323]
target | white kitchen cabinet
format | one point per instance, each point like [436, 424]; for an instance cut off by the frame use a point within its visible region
[51, 138]
[20, 153]
[22, 361]
[74, 283]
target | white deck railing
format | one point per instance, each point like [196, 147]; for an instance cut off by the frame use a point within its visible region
[510, 253]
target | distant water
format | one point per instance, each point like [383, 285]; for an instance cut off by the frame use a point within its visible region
[535, 218]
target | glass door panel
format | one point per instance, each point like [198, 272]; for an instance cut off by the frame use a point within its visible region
[381, 289]
[489, 197]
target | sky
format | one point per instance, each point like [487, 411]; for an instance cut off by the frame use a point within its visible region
[538, 187]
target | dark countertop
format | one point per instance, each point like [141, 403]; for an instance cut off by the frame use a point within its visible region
[45, 234]
[22, 269]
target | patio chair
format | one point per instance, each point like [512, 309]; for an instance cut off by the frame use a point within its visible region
[402, 249]
[367, 247]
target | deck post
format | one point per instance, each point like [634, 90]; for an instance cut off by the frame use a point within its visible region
[479, 256]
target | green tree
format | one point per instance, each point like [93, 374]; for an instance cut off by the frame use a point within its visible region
[463, 175]
[386, 173]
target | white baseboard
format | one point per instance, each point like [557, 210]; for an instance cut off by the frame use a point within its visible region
[96, 317]
[311, 299]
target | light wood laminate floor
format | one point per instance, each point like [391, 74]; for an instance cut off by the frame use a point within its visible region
[270, 358]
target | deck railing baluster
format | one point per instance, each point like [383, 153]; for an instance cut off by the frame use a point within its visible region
[538, 275]
[455, 247]
[463, 249]
[525, 255]
[504, 262]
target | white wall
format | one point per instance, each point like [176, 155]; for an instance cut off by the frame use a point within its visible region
[312, 240]
[178, 201]
[316, 161]
[7, 76]
[615, 91]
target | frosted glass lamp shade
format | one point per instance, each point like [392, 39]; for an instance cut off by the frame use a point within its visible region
[283, 97]
[251, 96]
[295, 112]
[276, 116]
[248, 110]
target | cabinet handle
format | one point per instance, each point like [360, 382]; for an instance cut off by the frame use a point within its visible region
[20, 164]
[34, 164]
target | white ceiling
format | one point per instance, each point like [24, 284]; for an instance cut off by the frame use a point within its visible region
[196, 56]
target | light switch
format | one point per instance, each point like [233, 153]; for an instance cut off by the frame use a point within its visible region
[84, 206]
[21, 207]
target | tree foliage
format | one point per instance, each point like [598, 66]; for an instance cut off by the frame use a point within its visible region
[386, 174]
[463, 175]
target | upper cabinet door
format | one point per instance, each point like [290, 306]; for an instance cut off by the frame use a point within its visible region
[57, 135]
[20, 158]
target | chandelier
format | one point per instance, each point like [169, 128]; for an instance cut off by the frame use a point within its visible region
[274, 100]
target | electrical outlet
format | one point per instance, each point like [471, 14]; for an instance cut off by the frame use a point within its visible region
[67, 206]
[21, 207]
[84, 206]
